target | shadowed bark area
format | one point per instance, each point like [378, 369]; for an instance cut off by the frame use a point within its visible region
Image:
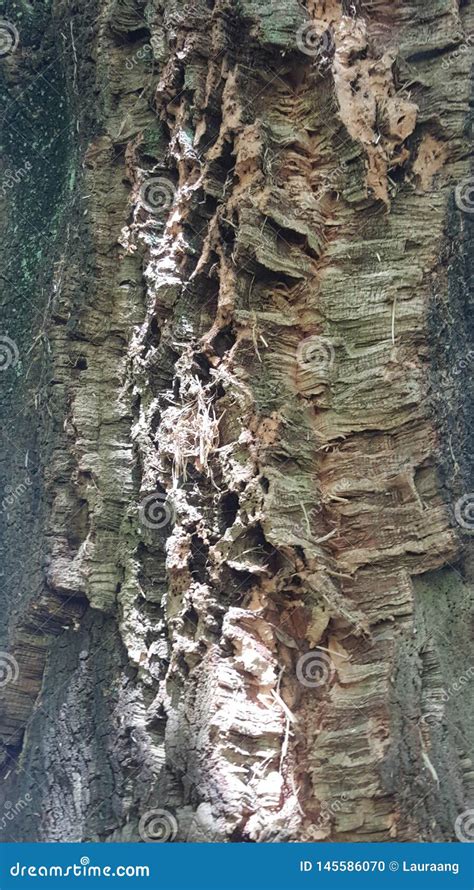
[236, 413]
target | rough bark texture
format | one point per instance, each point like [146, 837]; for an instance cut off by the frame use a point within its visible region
[235, 437]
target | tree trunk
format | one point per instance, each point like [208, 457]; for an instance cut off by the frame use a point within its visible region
[235, 415]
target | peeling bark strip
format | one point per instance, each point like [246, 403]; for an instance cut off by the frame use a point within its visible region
[236, 586]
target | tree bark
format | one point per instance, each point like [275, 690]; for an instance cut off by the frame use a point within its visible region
[236, 409]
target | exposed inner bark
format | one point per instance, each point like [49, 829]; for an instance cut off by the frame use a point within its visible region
[234, 584]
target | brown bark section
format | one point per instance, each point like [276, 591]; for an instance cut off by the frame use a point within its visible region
[254, 582]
